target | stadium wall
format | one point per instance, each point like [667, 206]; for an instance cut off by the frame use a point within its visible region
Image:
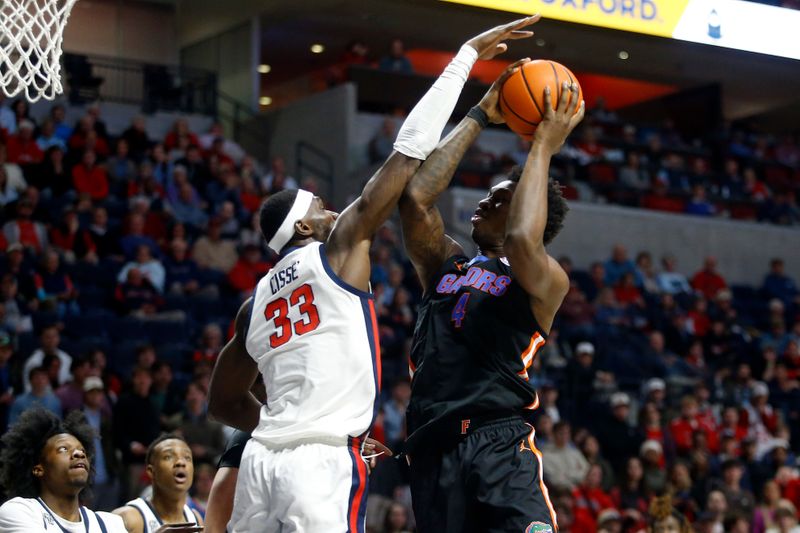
[743, 249]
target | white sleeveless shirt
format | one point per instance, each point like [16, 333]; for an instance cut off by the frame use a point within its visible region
[315, 340]
[151, 520]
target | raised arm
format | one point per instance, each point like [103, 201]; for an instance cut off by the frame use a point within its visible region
[423, 229]
[539, 274]
[349, 242]
[230, 400]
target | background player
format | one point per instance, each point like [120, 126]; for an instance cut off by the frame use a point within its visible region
[45, 465]
[321, 364]
[474, 463]
[169, 465]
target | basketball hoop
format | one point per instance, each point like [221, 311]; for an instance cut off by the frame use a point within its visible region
[31, 32]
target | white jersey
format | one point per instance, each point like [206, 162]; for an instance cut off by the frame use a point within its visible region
[315, 340]
[31, 515]
[151, 520]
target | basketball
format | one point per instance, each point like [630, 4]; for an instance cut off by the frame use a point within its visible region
[522, 95]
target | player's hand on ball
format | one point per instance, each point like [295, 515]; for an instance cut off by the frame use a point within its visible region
[490, 43]
[558, 123]
[490, 101]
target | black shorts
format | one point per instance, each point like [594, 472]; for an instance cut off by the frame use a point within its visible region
[489, 481]
[232, 455]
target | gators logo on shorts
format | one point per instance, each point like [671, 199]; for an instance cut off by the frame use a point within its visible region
[538, 527]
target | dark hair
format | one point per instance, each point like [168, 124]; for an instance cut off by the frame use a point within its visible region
[36, 370]
[78, 362]
[274, 210]
[556, 205]
[25, 440]
[152, 448]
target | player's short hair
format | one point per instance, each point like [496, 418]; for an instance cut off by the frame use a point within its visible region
[556, 205]
[148, 458]
[273, 212]
[24, 443]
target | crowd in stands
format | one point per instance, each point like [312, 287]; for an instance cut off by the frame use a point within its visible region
[124, 260]
[742, 174]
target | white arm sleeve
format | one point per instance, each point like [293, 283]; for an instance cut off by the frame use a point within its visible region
[421, 131]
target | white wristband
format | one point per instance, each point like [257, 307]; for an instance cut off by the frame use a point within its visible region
[421, 131]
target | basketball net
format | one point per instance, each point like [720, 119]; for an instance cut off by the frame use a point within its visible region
[31, 32]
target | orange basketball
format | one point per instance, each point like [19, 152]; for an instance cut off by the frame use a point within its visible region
[522, 95]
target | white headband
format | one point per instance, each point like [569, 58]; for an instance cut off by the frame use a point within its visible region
[284, 234]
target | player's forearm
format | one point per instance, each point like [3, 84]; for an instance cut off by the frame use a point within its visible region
[527, 216]
[434, 176]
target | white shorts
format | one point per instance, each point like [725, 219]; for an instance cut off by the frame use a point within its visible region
[310, 488]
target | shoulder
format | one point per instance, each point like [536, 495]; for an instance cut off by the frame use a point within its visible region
[130, 517]
[19, 514]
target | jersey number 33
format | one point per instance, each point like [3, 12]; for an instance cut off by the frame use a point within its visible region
[278, 311]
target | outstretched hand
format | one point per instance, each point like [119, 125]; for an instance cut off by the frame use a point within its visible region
[557, 124]
[490, 43]
[490, 101]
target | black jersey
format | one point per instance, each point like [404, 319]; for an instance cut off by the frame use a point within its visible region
[474, 341]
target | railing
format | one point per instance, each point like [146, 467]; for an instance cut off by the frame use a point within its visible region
[310, 158]
[154, 87]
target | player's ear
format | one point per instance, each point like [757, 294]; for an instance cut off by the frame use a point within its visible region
[303, 228]
[38, 471]
[149, 470]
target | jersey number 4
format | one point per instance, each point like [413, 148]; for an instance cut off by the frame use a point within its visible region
[460, 310]
[278, 310]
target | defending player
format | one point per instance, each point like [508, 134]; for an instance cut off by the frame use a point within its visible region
[169, 465]
[311, 330]
[474, 462]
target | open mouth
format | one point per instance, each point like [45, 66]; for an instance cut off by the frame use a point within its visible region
[181, 477]
[78, 466]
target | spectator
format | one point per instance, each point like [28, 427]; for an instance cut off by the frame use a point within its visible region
[136, 137]
[228, 220]
[49, 341]
[22, 147]
[71, 393]
[654, 477]
[47, 137]
[7, 378]
[229, 147]
[698, 204]
[89, 178]
[211, 343]
[180, 131]
[566, 466]
[250, 268]
[39, 393]
[164, 394]
[62, 130]
[204, 436]
[136, 295]
[98, 415]
[591, 451]
[630, 496]
[708, 281]
[29, 233]
[277, 179]
[105, 239]
[8, 120]
[590, 498]
[140, 428]
[394, 412]
[618, 265]
[382, 143]
[670, 280]
[619, 440]
[121, 166]
[633, 175]
[396, 60]
[136, 236]
[778, 285]
[182, 274]
[71, 240]
[213, 252]
[151, 268]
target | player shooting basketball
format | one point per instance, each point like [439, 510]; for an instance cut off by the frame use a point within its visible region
[474, 462]
[311, 330]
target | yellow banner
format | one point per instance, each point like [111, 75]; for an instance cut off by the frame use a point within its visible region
[652, 17]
